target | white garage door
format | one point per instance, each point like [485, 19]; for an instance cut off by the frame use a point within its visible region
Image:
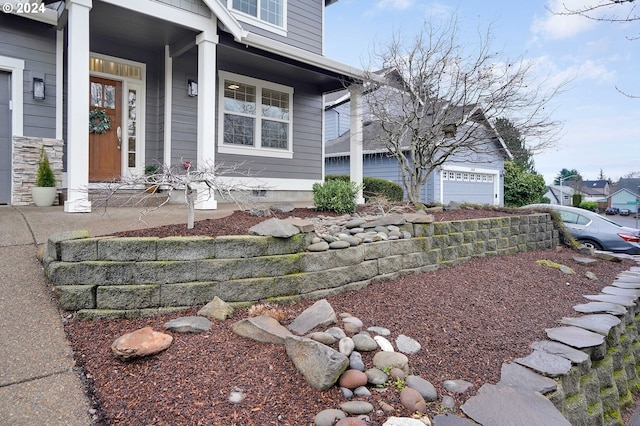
[5, 138]
[469, 187]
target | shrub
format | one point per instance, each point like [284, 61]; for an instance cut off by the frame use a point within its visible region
[576, 200]
[336, 196]
[589, 205]
[374, 187]
[45, 176]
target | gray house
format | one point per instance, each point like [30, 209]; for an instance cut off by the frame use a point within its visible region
[474, 175]
[162, 81]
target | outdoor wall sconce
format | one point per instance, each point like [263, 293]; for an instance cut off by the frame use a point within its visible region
[38, 89]
[192, 88]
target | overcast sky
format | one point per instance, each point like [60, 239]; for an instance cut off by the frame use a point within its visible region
[601, 126]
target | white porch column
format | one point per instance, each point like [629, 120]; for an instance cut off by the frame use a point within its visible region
[168, 102]
[355, 137]
[207, 44]
[78, 106]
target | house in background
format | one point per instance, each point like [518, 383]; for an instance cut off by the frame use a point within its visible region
[561, 195]
[472, 177]
[162, 81]
[626, 194]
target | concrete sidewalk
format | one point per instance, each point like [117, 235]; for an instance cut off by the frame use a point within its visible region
[38, 384]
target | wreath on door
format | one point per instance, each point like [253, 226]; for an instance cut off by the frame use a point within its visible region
[99, 121]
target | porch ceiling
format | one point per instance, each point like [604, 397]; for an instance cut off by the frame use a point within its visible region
[271, 63]
[109, 22]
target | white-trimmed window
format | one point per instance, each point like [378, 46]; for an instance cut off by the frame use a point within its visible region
[267, 14]
[256, 117]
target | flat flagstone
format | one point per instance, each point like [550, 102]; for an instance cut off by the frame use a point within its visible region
[600, 307]
[585, 260]
[627, 302]
[557, 348]
[546, 363]
[575, 336]
[628, 278]
[516, 375]
[635, 274]
[599, 323]
[626, 284]
[498, 405]
[616, 291]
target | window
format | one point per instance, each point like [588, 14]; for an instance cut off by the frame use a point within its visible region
[270, 12]
[255, 117]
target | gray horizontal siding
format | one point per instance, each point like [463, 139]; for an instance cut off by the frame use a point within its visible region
[35, 43]
[304, 26]
[195, 6]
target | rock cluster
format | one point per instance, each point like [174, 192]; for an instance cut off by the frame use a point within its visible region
[343, 231]
[333, 357]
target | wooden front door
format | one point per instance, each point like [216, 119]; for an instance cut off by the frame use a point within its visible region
[105, 158]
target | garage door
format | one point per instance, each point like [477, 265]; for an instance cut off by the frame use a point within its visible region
[467, 187]
[5, 138]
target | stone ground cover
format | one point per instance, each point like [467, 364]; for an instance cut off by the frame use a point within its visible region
[469, 319]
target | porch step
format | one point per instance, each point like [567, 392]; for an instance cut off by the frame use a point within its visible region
[127, 198]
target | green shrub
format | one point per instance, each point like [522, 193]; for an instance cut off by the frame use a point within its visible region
[45, 176]
[576, 200]
[336, 196]
[374, 187]
[589, 205]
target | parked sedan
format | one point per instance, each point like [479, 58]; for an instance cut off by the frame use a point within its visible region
[596, 231]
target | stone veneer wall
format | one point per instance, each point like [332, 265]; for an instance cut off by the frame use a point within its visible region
[123, 277]
[26, 152]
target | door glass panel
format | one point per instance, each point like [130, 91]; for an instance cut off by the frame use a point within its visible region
[131, 127]
[109, 96]
[96, 94]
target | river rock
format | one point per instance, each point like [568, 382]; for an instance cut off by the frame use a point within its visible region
[457, 386]
[340, 244]
[404, 421]
[346, 346]
[319, 246]
[141, 342]
[355, 361]
[413, 401]
[322, 337]
[351, 421]
[320, 314]
[384, 360]
[188, 325]
[424, 387]
[364, 343]
[376, 377]
[328, 417]
[352, 379]
[336, 332]
[380, 331]
[357, 407]
[384, 344]
[407, 345]
[320, 365]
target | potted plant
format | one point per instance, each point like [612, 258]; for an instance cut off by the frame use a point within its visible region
[44, 192]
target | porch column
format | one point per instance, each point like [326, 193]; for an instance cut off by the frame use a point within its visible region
[207, 43]
[78, 106]
[355, 137]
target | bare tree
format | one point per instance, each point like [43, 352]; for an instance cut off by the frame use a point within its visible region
[441, 100]
[614, 11]
[220, 181]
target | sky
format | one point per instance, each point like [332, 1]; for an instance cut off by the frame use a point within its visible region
[600, 126]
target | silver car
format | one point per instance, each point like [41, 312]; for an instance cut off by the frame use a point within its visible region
[593, 230]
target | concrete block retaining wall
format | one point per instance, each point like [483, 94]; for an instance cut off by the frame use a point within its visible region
[595, 390]
[108, 277]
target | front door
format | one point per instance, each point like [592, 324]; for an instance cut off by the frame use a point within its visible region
[5, 138]
[105, 140]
